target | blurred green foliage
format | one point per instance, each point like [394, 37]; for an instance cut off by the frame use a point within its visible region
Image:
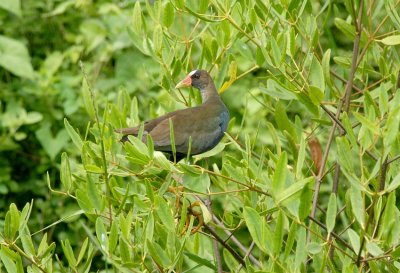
[74, 199]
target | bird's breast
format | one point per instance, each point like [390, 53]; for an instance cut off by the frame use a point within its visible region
[212, 133]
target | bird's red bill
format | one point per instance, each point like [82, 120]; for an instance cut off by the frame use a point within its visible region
[185, 83]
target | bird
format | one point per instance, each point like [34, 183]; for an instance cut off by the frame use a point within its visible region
[201, 127]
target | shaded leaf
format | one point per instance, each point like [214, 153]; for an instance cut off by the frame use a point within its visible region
[331, 213]
[14, 57]
[255, 226]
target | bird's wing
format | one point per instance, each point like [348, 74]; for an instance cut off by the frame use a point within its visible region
[161, 132]
[148, 126]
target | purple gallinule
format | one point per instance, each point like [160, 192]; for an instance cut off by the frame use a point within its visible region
[205, 124]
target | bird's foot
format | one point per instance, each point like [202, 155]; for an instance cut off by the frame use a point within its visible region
[194, 210]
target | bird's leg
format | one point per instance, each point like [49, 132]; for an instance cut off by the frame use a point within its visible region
[197, 213]
[195, 210]
[177, 191]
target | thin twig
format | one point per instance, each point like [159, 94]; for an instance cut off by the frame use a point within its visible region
[237, 242]
[344, 80]
[336, 236]
[382, 176]
[354, 59]
[217, 254]
[393, 159]
[233, 180]
[225, 245]
[246, 255]
[230, 236]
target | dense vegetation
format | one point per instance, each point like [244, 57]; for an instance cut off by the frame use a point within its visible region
[305, 180]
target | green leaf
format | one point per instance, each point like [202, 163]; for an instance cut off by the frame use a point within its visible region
[164, 213]
[207, 217]
[46, 251]
[12, 261]
[300, 157]
[278, 234]
[344, 154]
[326, 67]
[51, 145]
[65, 172]
[137, 18]
[316, 95]
[316, 76]
[306, 196]
[158, 254]
[33, 117]
[200, 261]
[396, 253]
[292, 42]
[90, 168]
[357, 205]
[94, 193]
[347, 29]
[61, 8]
[391, 129]
[349, 129]
[14, 57]
[94, 33]
[279, 178]
[306, 101]
[255, 225]
[124, 249]
[101, 233]
[52, 63]
[354, 239]
[314, 248]
[331, 213]
[276, 52]
[12, 222]
[200, 16]
[84, 201]
[83, 250]
[169, 14]
[301, 248]
[283, 121]
[374, 249]
[158, 35]
[197, 183]
[391, 10]
[369, 124]
[69, 253]
[150, 227]
[291, 192]
[76, 139]
[162, 162]
[87, 99]
[278, 91]
[290, 239]
[13, 6]
[394, 184]
[27, 242]
[391, 40]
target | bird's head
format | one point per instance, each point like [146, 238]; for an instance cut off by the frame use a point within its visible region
[197, 78]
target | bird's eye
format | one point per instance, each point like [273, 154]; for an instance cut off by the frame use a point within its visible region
[196, 76]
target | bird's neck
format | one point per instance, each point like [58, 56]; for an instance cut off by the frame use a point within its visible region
[209, 92]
